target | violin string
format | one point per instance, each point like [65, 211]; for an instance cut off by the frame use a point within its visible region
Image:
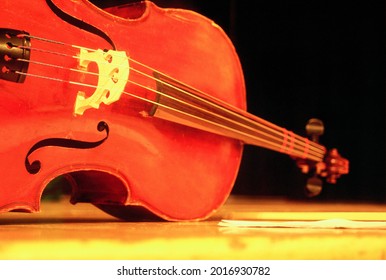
[290, 149]
[269, 136]
[143, 65]
[57, 66]
[281, 132]
[151, 77]
[156, 103]
[265, 143]
[293, 137]
[53, 41]
[260, 122]
[45, 51]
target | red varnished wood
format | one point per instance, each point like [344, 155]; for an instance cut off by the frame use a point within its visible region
[178, 173]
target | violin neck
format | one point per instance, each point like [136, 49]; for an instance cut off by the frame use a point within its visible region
[182, 104]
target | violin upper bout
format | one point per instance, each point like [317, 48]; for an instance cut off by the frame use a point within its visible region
[129, 11]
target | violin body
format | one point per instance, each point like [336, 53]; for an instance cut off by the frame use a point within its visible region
[116, 155]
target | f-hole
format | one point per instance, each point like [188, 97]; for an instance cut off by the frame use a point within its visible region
[35, 166]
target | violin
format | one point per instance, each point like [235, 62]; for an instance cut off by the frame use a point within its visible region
[140, 108]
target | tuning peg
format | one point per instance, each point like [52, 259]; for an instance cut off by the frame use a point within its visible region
[314, 129]
[314, 185]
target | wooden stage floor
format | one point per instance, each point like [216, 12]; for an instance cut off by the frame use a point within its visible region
[65, 231]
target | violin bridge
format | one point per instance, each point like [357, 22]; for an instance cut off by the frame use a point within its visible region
[113, 68]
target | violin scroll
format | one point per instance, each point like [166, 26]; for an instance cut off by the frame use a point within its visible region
[331, 168]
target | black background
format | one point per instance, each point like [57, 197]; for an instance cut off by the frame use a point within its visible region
[306, 59]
